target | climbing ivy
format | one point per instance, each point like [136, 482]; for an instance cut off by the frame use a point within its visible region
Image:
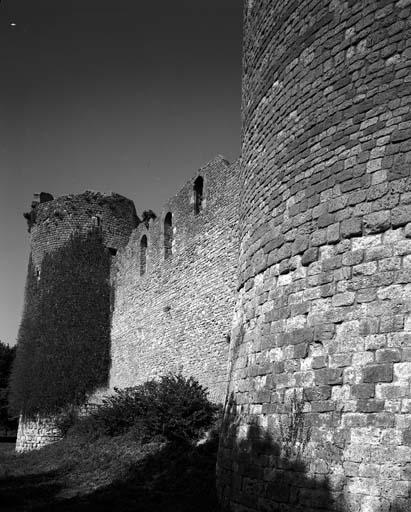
[64, 338]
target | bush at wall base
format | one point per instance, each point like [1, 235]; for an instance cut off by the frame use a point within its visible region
[172, 408]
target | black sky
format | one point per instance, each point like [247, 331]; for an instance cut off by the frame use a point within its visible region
[118, 95]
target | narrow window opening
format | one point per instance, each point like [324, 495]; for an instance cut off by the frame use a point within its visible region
[198, 195]
[143, 255]
[168, 236]
[96, 219]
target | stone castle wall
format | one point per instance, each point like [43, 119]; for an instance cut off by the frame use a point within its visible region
[177, 316]
[324, 307]
[35, 434]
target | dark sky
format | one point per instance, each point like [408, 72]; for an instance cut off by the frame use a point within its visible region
[121, 95]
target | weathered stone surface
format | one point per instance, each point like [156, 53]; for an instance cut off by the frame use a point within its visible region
[351, 227]
[388, 356]
[401, 215]
[177, 316]
[377, 222]
[363, 390]
[317, 393]
[343, 299]
[309, 256]
[326, 126]
[300, 244]
[36, 433]
[378, 373]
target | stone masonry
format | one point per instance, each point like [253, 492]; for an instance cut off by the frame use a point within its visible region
[324, 306]
[177, 315]
[36, 433]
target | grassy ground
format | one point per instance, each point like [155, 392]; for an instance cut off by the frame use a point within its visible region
[6, 448]
[109, 474]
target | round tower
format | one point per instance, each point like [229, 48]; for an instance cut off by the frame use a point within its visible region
[54, 226]
[318, 410]
[52, 221]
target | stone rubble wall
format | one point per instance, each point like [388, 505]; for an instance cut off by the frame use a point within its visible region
[35, 434]
[324, 307]
[177, 316]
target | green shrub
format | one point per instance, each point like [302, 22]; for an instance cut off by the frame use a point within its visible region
[7, 355]
[63, 347]
[172, 408]
[66, 418]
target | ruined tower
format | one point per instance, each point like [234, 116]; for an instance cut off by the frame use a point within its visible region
[323, 316]
[52, 222]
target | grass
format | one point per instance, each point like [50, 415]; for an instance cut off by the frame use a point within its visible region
[109, 474]
[6, 448]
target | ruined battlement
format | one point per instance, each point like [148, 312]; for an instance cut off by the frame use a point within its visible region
[52, 222]
[175, 285]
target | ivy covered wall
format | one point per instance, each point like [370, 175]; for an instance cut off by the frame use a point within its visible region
[63, 349]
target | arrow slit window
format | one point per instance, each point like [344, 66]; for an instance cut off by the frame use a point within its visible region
[198, 194]
[143, 255]
[168, 235]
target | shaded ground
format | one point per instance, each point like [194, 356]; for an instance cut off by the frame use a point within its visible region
[110, 474]
[6, 448]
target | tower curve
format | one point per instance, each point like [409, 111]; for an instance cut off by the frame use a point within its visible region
[82, 329]
[52, 222]
[322, 329]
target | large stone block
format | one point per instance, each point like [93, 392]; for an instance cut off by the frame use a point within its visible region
[378, 373]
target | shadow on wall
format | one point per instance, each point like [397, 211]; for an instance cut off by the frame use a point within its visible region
[63, 346]
[400, 505]
[105, 477]
[236, 341]
[262, 478]
[266, 480]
